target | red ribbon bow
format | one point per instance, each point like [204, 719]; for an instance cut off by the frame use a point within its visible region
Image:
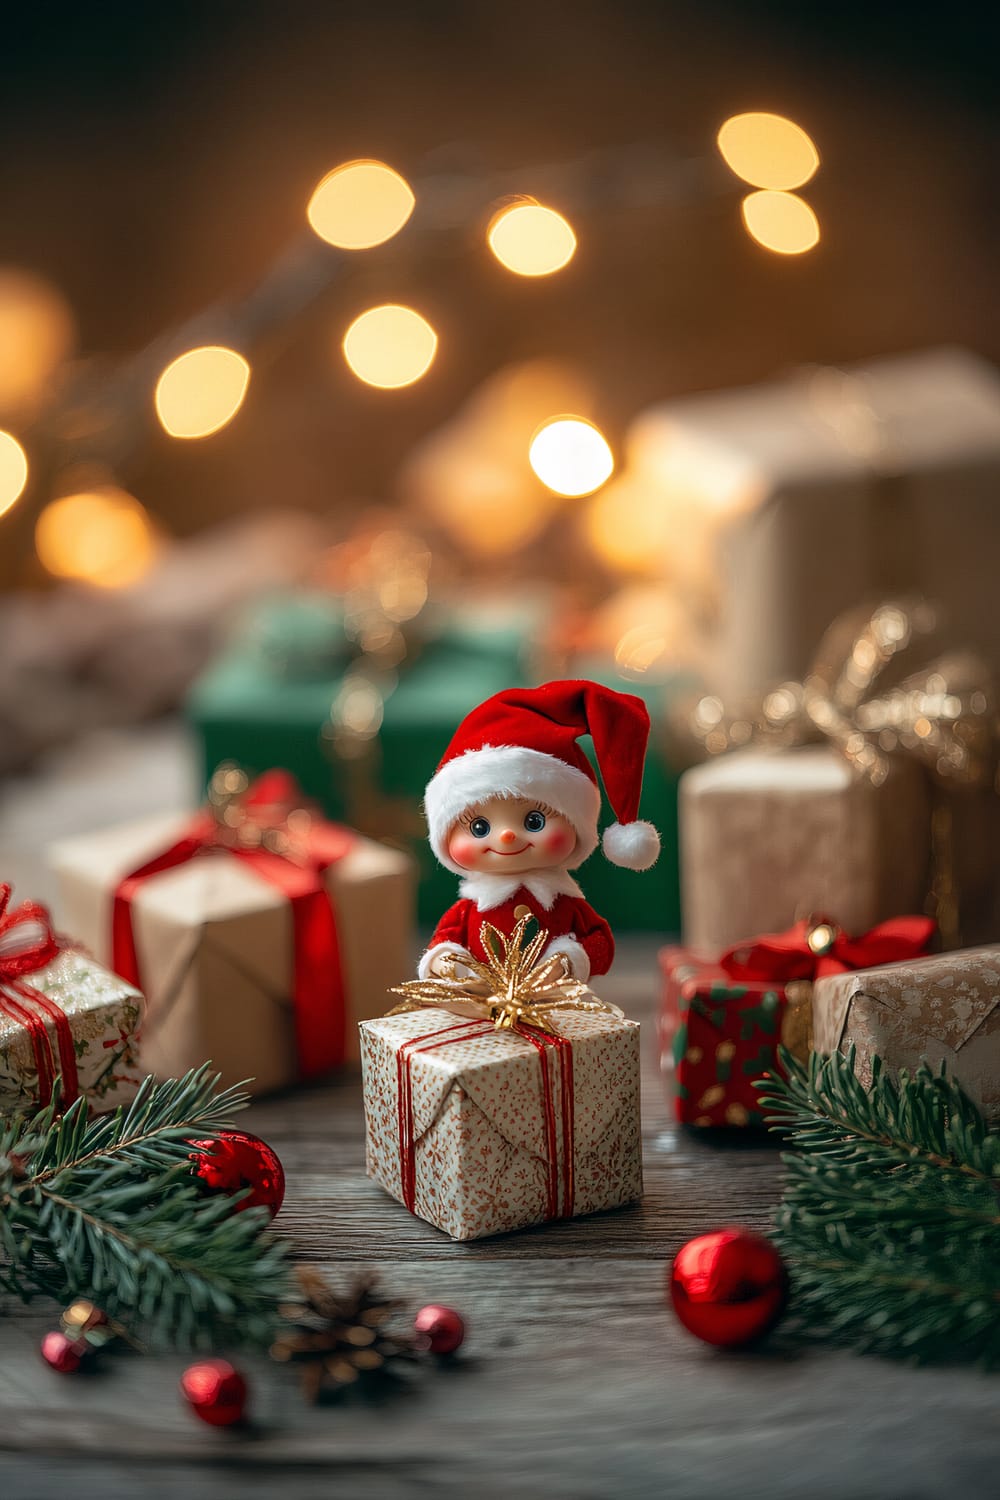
[27, 944]
[317, 982]
[816, 947]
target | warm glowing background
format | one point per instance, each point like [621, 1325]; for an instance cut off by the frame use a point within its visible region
[158, 163]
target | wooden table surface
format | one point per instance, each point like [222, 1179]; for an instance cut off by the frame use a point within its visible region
[575, 1380]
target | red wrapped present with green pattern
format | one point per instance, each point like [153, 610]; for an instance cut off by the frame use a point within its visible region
[722, 1020]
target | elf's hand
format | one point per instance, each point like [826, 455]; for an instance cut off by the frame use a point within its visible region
[444, 961]
[573, 954]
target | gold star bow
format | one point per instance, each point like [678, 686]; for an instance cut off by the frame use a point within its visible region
[515, 987]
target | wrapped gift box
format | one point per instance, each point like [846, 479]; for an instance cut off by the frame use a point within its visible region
[940, 1009]
[84, 1032]
[481, 1131]
[855, 485]
[268, 700]
[717, 1036]
[215, 944]
[722, 1020]
[768, 837]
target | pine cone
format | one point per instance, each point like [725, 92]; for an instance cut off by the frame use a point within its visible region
[338, 1340]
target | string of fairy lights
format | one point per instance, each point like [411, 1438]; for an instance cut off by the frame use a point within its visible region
[103, 535]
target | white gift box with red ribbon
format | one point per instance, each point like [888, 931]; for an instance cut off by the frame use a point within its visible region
[480, 1131]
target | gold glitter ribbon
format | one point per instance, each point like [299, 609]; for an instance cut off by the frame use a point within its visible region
[515, 987]
[942, 716]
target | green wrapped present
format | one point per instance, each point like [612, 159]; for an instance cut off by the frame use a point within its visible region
[292, 691]
[361, 741]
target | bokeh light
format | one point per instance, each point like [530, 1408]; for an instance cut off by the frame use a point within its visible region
[390, 346]
[201, 390]
[768, 151]
[101, 536]
[530, 239]
[13, 471]
[627, 526]
[360, 204]
[472, 478]
[781, 222]
[571, 456]
[37, 333]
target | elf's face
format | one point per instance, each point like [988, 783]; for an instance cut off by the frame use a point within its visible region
[509, 836]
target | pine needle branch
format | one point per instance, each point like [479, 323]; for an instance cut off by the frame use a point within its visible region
[890, 1219]
[107, 1209]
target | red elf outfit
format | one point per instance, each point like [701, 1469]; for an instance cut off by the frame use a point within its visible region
[523, 743]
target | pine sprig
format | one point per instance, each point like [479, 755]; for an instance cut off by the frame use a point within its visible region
[890, 1220]
[107, 1209]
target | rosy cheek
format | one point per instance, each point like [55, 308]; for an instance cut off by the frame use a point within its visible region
[464, 849]
[559, 842]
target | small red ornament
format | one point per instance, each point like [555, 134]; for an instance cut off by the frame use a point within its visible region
[235, 1159]
[728, 1288]
[439, 1329]
[63, 1353]
[216, 1392]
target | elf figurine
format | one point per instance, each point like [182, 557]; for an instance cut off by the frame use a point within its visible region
[513, 808]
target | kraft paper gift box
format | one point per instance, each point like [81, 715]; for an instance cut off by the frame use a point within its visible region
[215, 944]
[944, 1009]
[854, 484]
[481, 1131]
[83, 1031]
[771, 836]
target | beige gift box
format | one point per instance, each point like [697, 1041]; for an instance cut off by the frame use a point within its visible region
[479, 1132]
[214, 943]
[940, 1009]
[770, 836]
[854, 485]
[103, 1014]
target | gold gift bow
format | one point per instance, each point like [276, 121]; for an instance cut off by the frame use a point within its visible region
[943, 717]
[515, 987]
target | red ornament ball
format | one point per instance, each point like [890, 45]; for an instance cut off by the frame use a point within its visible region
[63, 1353]
[439, 1329]
[728, 1288]
[215, 1391]
[235, 1159]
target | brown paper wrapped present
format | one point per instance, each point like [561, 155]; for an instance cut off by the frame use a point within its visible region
[772, 836]
[856, 484]
[904, 817]
[266, 981]
[941, 1009]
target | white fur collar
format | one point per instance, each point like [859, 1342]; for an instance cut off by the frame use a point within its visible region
[489, 891]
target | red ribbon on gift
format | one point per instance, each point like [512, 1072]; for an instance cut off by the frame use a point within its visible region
[27, 944]
[465, 1031]
[817, 946]
[317, 980]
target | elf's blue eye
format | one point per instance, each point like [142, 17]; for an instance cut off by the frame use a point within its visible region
[534, 822]
[479, 828]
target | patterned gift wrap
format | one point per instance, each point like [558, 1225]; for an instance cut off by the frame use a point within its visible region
[481, 1131]
[95, 1039]
[943, 1009]
[717, 1035]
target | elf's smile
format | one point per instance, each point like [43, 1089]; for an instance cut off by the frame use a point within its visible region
[506, 853]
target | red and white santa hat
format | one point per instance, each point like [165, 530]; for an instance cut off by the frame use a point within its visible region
[523, 743]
